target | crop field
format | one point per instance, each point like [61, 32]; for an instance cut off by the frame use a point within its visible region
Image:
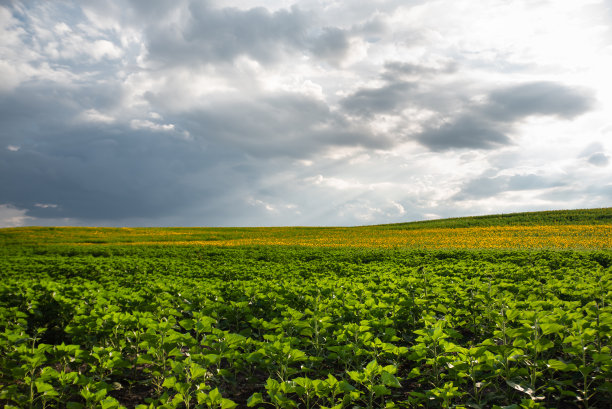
[506, 311]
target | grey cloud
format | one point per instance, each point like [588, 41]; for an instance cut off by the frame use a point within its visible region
[386, 99]
[404, 87]
[371, 30]
[465, 132]
[284, 124]
[100, 172]
[595, 155]
[532, 182]
[592, 195]
[128, 175]
[104, 171]
[211, 35]
[538, 98]
[105, 175]
[599, 159]
[592, 148]
[487, 126]
[36, 111]
[484, 186]
[398, 70]
[146, 10]
[482, 125]
[330, 44]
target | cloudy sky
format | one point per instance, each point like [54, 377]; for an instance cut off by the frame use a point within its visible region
[314, 112]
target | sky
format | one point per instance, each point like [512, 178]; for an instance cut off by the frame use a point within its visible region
[312, 113]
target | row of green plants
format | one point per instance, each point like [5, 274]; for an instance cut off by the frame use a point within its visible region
[304, 328]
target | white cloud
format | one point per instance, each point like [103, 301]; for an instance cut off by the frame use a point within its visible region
[400, 209]
[46, 205]
[93, 115]
[104, 49]
[12, 217]
[146, 124]
[260, 203]
[10, 75]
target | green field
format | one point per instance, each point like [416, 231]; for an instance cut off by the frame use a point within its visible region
[110, 318]
[546, 218]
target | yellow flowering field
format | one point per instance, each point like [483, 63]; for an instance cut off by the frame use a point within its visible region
[480, 237]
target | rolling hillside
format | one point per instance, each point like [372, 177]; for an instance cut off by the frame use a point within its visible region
[543, 218]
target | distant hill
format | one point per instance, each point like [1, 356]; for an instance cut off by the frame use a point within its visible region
[546, 218]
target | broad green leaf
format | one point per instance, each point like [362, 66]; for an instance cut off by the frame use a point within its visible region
[187, 324]
[169, 382]
[255, 399]
[178, 398]
[358, 376]
[438, 333]
[307, 332]
[109, 403]
[560, 366]
[331, 380]
[197, 371]
[42, 387]
[100, 394]
[215, 396]
[606, 358]
[381, 390]
[551, 328]
[87, 394]
[389, 380]
[202, 397]
[345, 387]
[543, 345]
[228, 404]
[372, 367]
[182, 388]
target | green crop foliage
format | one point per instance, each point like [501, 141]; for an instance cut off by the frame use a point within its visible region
[141, 326]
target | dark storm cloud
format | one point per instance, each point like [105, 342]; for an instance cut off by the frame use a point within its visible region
[485, 186]
[102, 171]
[209, 35]
[97, 172]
